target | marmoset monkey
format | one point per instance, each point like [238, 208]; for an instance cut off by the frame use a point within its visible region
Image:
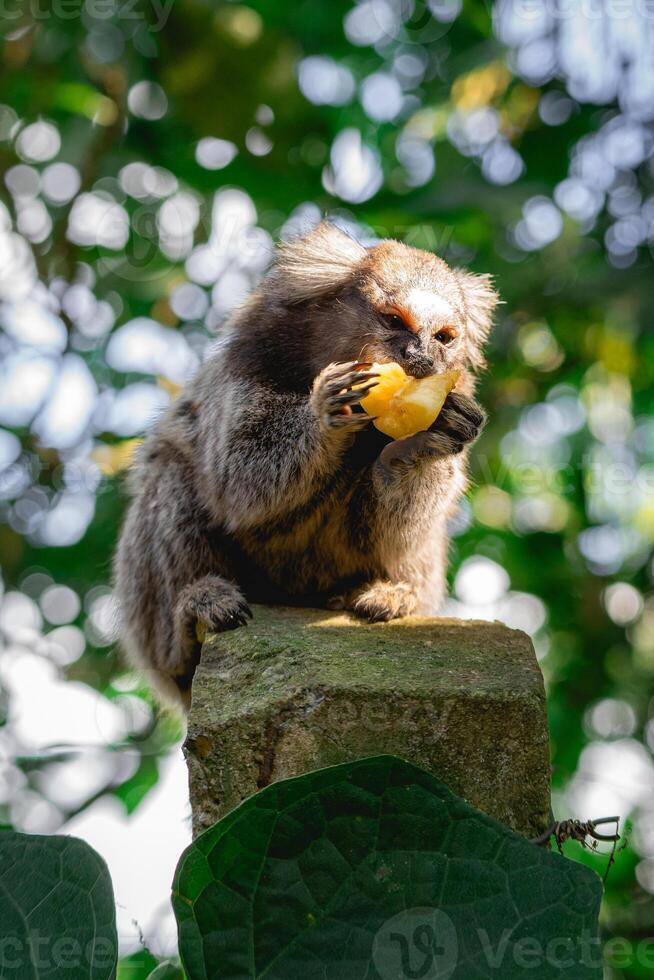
[265, 481]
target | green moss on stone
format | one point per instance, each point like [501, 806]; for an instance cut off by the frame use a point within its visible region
[299, 689]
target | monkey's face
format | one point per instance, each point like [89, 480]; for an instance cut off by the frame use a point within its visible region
[343, 302]
[411, 310]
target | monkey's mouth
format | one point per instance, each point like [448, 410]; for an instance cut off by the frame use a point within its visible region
[419, 373]
[419, 367]
[416, 363]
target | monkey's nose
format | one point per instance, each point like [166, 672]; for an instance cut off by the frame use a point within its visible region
[420, 365]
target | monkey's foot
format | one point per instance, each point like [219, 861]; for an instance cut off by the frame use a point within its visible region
[209, 605]
[334, 393]
[379, 602]
[212, 604]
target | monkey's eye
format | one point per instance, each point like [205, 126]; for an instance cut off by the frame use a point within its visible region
[394, 321]
[445, 336]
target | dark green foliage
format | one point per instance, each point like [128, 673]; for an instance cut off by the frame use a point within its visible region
[57, 910]
[166, 971]
[137, 966]
[349, 872]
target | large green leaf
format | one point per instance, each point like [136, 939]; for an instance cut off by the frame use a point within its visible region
[57, 910]
[374, 870]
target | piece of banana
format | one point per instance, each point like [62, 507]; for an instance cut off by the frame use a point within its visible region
[402, 405]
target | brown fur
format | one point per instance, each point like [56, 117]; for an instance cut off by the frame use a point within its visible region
[265, 482]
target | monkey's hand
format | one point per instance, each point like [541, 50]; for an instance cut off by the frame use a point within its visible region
[334, 395]
[461, 417]
[458, 425]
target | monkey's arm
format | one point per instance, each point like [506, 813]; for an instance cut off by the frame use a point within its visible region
[271, 452]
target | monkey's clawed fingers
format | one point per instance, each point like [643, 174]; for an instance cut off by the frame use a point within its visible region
[212, 605]
[461, 417]
[334, 394]
[237, 617]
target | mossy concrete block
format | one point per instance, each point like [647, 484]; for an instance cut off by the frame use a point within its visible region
[299, 689]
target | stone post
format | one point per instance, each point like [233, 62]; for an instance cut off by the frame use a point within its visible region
[299, 689]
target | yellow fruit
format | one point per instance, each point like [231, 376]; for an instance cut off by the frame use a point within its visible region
[401, 405]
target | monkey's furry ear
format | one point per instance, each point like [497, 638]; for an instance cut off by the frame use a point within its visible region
[480, 300]
[312, 265]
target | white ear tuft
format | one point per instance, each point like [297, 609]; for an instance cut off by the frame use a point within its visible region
[480, 300]
[311, 266]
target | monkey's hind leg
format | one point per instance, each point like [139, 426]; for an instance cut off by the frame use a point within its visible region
[209, 605]
[381, 601]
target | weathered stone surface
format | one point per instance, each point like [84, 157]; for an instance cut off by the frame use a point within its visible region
[300, 689]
